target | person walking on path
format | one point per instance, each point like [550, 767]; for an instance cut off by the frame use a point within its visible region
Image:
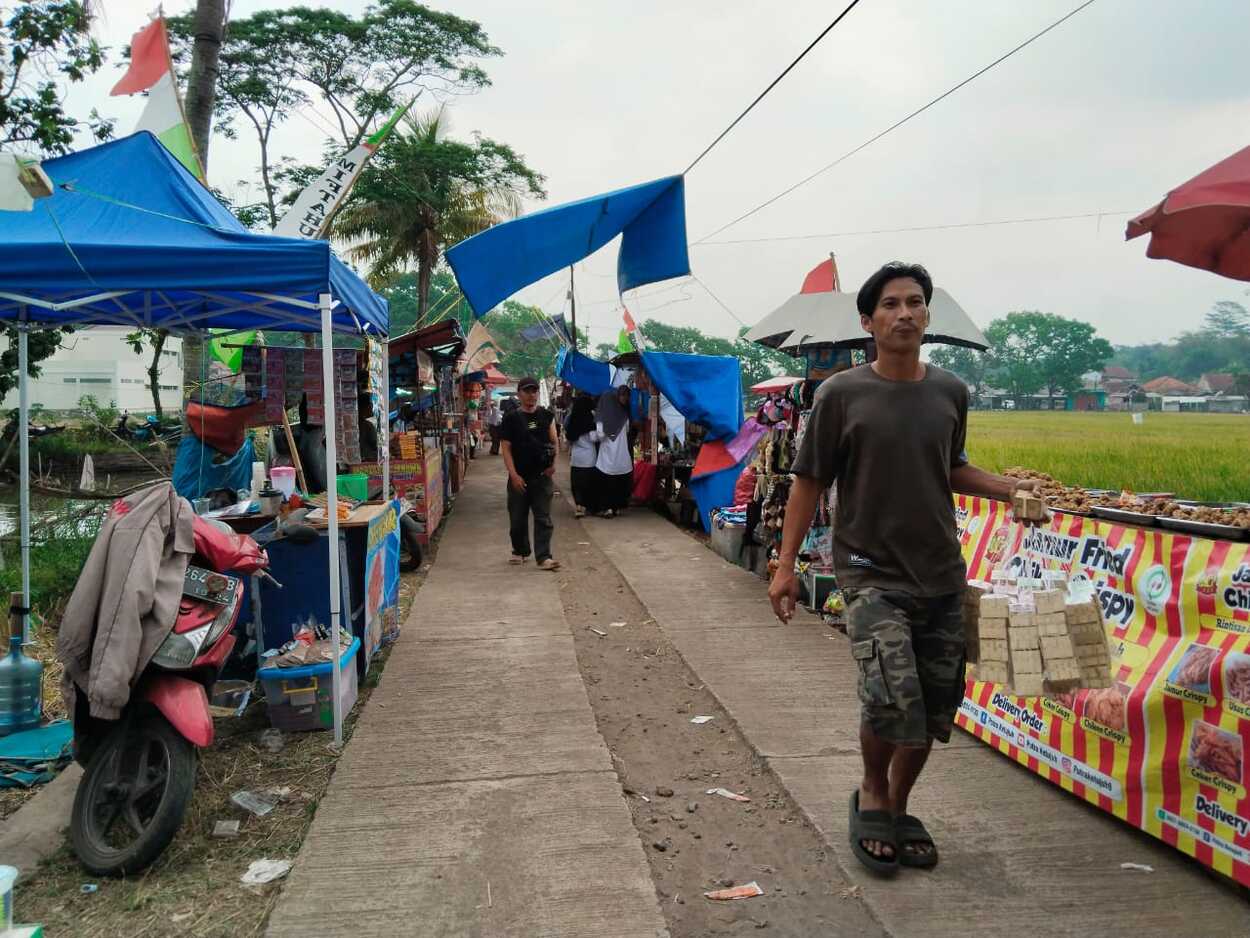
[891, 435]
[614, 464]
[583, 441]
[494, 416]
[529, 445]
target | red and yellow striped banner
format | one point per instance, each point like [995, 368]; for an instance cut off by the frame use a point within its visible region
[1166, 747]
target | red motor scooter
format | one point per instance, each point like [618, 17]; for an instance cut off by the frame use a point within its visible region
[140, 769]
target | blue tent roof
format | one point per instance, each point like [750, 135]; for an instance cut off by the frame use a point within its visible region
[493, 265]
[130, 237]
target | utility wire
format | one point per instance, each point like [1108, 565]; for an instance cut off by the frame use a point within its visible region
[812, 45]
[900, 123]
[720, 302]
[873, 231]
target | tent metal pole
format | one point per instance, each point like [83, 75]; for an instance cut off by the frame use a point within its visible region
[332, 507]
[23, 419]
[384, 431]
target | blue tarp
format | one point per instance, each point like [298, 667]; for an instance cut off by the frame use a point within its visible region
[585, 374]
[651, 218]
[715, 490]
[195, 472]
[134, 234]
[705, 389]
[33, 757]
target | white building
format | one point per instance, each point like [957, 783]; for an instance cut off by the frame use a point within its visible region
[97, 361]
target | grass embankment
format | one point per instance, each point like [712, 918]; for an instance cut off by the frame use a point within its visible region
[1199, 456]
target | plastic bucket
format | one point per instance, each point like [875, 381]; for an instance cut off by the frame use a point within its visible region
[283, 479]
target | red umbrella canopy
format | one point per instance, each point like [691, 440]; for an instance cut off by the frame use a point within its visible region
[774, 385]
[1204, 223]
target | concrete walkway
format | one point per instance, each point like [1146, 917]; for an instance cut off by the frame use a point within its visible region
[1018, 854]
[476, 797]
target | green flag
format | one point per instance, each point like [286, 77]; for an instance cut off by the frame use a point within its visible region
[623, 344]
[232, 358]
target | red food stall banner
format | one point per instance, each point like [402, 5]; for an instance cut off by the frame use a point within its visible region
[1165, 747]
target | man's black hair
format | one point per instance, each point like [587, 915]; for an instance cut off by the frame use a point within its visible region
[870, 293]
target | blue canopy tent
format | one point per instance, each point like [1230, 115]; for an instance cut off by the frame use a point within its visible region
[130, 238]
[651, 218]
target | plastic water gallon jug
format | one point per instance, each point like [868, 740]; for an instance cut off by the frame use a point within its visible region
[8, 876]
[21, 690]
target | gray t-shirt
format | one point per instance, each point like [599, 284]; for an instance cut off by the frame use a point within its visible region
[890, 445]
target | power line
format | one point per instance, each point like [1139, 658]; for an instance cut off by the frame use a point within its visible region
[900, 123]
[812, 45]
[873, 231]
[719, 301]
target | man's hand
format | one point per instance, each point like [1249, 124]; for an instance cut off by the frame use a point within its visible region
[783, 592]
[517, 482]
[1032, 487]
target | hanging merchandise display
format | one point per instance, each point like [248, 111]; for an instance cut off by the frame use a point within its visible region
[281, 377]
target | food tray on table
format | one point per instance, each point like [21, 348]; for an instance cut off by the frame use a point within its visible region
[1124, 516]
[1228, 532]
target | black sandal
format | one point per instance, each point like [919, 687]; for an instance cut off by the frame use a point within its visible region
[873, 825]
[911, 831]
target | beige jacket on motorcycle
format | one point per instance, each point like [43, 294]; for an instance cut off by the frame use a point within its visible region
[126, 599]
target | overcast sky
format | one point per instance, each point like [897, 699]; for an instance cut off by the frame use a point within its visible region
[1104, 114]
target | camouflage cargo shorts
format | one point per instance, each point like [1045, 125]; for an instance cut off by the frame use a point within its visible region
[910, 654]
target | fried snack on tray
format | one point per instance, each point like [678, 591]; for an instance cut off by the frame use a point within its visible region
[1074, 499]
[1215, 751]
[1055, 494]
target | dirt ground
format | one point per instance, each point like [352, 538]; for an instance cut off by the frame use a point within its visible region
[193, 888]
[644, 697]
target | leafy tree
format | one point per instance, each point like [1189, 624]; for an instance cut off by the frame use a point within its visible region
[422, 193]
[971, 365]
[40, 345]
[363, 68]
[1228, 319]
[1033, 350]
[42, 42]
[155, 339]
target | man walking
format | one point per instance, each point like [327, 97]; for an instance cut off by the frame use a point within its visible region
[494, 416]
[891, 434]
[528, 437]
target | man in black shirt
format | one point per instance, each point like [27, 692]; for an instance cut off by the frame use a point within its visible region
[891, 435]
[529, 444]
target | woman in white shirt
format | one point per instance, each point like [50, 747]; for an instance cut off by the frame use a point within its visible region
[614, 464]
[583, 439]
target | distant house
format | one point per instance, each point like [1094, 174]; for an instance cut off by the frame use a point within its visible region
[1116, 373]
[1168, 386]
[1086, 399]
[1217, 383]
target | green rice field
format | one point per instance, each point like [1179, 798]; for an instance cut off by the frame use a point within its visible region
[1199, 456]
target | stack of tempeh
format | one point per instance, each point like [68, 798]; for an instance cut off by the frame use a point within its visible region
[1036, 641]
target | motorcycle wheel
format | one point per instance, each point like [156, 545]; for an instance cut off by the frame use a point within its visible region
[132, 797]
[409, 544]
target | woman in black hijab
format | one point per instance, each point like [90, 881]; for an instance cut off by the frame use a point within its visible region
[579, 430]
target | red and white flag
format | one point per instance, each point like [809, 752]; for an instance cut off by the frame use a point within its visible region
[631, 327]
[152, 70]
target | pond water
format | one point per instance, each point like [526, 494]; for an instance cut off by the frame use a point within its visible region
[46, 511]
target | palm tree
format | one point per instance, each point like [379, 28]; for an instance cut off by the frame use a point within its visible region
[423, 193]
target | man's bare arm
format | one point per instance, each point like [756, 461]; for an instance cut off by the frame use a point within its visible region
[971, 480]
[783, 592]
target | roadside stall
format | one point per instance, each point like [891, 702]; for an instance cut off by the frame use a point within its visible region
[421, 405]
[174, 259]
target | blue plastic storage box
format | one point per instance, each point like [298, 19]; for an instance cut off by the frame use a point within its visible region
[303, 698]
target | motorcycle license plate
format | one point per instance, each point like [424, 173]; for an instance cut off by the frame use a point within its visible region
[209, 585]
